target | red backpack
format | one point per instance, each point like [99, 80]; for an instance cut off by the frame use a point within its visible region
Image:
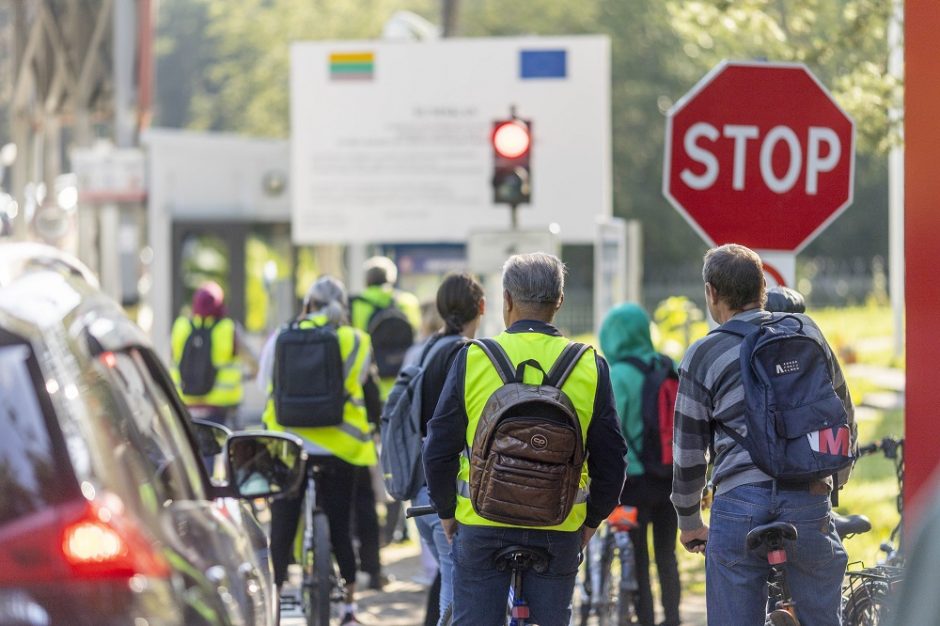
[660, 387]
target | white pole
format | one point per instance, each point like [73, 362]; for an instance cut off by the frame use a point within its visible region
[896, 185]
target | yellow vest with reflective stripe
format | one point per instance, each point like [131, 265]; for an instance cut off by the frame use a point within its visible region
[227, 391]
[482, 380]
[352, 439]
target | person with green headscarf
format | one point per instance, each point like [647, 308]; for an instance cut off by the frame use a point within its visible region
[626, 343]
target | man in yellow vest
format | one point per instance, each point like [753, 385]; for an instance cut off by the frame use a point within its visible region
[208, 352]
[533, 287]
[341, 450]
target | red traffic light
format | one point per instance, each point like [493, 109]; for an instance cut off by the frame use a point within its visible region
[511, 139]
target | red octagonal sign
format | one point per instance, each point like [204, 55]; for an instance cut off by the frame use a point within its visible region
[759, 154]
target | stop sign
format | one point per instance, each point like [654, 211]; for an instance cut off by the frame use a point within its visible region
[759, 154]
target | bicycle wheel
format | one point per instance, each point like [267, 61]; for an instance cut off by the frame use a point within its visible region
[606, 602]
[318, 573]
[866, 603]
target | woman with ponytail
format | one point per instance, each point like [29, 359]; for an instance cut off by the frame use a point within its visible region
[461, 304]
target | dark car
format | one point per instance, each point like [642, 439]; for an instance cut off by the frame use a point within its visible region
[107, 512]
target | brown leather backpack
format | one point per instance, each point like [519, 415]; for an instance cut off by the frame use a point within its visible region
[528, 449]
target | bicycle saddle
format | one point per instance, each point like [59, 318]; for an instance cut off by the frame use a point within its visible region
[772, 535]
[850, 524]
[522, 558]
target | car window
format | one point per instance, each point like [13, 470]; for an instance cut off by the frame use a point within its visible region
[30, 466]
[159, 433]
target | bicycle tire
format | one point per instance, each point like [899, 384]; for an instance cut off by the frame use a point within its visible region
[606, 604]
[318, 575]
[866, 604]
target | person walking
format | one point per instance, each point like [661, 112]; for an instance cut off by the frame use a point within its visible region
[340, 449]
[461, 304]
[626, 343]
[579, 446]
[208, 352]
[711, 410]
[391, 317]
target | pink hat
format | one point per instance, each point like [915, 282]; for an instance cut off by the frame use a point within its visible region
[208, 301]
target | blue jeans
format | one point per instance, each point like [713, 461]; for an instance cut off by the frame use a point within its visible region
[432, 531]
[482, 591]
[736, 579]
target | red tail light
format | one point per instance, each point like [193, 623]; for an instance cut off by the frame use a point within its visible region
[78, 540]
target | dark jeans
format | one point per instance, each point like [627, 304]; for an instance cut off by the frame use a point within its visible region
[367, 523]
[736, 579]
[651, 498]
[481, 591]
[335, 490]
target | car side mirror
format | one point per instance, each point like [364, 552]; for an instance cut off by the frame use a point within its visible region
[210, 445]
[265, 465]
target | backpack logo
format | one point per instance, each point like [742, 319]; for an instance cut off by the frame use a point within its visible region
[830, 441]
[539, 442]
[788, 367]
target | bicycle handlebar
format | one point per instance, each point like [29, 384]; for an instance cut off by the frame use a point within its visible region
[417, 511]
[888, 445]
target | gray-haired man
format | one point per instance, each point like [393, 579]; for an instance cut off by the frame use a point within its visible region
[533, 291]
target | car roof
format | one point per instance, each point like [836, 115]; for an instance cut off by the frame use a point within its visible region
[44, 290]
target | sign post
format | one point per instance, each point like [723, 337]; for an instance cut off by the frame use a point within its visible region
[761, 155]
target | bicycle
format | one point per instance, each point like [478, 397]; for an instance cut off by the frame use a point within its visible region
[773, 538]
[517, 559]
[866, 593]
[611, 604]
[320, 585]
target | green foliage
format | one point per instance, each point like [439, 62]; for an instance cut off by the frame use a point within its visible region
[677, 324]
[224, 66]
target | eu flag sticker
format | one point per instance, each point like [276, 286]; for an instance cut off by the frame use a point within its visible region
[543, 64]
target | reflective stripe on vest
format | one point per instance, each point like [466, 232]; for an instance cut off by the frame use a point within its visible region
[227, 390]
[352, 439]
[482, 380]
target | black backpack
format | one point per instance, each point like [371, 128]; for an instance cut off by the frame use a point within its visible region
[309, 376]
[660, 388]
[197, 371]
[391, 334]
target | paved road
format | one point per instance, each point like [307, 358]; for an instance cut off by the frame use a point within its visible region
[402, 602]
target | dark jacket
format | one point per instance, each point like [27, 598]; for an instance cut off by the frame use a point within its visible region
[447, 437]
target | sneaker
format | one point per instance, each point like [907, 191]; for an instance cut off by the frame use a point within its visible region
[349, 620]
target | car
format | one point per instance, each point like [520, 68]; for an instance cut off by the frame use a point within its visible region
[108, 513]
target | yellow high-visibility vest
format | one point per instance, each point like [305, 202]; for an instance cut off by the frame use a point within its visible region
[227, 390]
[482, 380]
[352, 439]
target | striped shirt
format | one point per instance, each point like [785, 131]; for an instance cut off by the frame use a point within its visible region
[710, 390]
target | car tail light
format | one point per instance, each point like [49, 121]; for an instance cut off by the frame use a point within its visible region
[77, 541]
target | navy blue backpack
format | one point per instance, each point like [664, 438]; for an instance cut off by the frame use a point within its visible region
[797, 427]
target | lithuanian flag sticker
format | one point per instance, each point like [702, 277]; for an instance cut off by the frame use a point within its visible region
[352, 65]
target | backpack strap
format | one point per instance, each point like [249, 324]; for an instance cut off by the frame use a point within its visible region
[566, 363]
[498, 358]
[638, 363]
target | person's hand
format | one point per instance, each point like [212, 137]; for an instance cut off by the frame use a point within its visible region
[586, 533]
[450, 528]
[694, 540]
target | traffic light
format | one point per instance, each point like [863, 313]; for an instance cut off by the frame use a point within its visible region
[512, 142]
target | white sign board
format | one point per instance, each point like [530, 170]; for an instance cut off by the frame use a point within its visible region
[488, 251]
[107, 174]
[390, 142]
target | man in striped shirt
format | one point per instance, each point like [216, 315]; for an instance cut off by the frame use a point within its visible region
[711, 393]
